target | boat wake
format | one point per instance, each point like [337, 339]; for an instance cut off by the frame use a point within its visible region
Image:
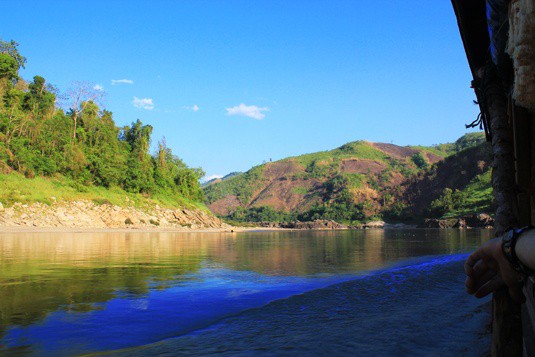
[415, 309]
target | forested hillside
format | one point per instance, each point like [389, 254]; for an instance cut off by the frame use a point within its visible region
[458, 185]
[361, 181]
[78, 145]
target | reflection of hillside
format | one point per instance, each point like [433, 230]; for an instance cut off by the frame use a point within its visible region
[302, 253]
[313, 252]
[373, 246]
[41, 273]
[298, 253]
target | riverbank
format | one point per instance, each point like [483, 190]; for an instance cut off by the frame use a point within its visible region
[231, 229]
[86, 215]
[82, 214]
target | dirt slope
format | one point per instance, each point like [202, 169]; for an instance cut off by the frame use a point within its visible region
[362, 172]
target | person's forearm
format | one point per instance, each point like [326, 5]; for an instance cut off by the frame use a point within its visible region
[525, 248]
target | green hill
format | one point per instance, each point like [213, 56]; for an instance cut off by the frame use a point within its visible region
[356, 182]
[79, 152]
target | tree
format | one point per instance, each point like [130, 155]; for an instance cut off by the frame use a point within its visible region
[10, 62]
[39, 100]
[419, 160]
[139, 173]
[448, 202]
[9, 68]
[10, 48]
[80, 94]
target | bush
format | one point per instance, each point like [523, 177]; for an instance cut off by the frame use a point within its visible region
[448, 202]
[420, 160]
[102, 201]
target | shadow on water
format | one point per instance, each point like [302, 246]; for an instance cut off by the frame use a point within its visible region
[81, 274]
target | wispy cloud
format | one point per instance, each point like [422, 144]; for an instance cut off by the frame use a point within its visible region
[194, 108]
[98, 87]
[143, 103]
[116, 82]
[210, 177]
[251, 111]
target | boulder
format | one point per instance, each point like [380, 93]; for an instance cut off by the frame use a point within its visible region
[479, 220]
[439, 223]
[461, 224]
[374, 224]
[317, 224]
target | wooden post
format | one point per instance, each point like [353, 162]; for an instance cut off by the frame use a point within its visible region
[506, 322]
[522, 145]
[523, 134]
[503, 169]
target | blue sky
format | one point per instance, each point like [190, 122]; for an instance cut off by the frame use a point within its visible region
[233, 83]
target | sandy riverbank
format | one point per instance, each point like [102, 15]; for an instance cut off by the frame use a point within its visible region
[26, 229]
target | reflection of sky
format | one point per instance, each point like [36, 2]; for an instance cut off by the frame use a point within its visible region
[160, 314]
[192, 280]
[401, 310]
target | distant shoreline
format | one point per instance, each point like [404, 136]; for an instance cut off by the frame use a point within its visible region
[26, 229]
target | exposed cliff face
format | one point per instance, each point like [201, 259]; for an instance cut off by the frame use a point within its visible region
[86, 214]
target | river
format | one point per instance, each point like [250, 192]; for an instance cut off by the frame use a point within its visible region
[373, 292]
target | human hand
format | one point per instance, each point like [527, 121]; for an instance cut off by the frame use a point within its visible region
[487, 270]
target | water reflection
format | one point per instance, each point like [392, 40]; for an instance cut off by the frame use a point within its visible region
[45, 272]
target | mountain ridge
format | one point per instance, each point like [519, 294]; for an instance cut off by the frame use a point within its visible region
[357, 181]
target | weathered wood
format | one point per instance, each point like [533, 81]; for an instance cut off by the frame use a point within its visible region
[506, 326]
[506, 322]
[523, 142]
[532, 150]
[528, 317]
[522, 147]
[503, 169]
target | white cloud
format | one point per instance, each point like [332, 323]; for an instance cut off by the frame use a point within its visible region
[210, 177]
[115, 82]
[143, 103]
[98, 87]
[251, 111]
[194, 108]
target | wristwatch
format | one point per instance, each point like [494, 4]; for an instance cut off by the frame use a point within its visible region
[509, 240]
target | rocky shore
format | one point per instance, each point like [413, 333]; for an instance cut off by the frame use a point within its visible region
[480, 220]
[330, 224]
[87, 214]
[317, 224]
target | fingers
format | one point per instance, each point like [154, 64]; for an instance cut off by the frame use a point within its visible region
[479, 269]
[487, 271]
[490, 286]
[470, 262]
[475, 283]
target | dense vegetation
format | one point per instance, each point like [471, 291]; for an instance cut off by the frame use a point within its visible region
[399, 184]
[458, 185]
[81, 146]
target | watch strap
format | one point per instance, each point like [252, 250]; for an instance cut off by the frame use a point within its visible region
[509, 240]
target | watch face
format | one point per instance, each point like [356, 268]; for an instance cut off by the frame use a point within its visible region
[508, 237]
[507, 240]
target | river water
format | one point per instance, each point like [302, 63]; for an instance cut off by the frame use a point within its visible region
[373, 292]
